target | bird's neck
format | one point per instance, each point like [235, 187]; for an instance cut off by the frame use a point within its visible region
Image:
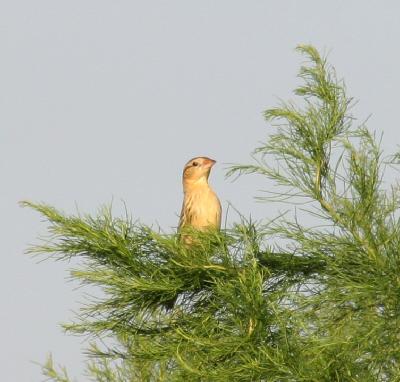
[190, 185]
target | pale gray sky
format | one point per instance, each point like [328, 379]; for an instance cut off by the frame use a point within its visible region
[108, 99]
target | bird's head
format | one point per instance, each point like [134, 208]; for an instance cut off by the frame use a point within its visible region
[197, 170]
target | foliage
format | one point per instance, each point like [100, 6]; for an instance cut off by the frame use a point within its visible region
[283, 301]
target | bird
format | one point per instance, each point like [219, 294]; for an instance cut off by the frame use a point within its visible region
[201, 208]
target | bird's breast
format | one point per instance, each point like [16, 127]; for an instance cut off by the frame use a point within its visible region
[202, 208]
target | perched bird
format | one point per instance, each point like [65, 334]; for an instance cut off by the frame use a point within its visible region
[201, 207]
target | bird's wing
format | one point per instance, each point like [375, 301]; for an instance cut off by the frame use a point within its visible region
[187, 212]
[218, 214]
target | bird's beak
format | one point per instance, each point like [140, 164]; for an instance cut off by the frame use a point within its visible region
[208, 163]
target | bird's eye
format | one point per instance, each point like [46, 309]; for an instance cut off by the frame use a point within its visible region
[195, 164]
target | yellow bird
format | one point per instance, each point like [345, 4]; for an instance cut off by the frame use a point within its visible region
[201, 207]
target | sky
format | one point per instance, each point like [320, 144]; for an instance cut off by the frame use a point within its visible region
[105, 101]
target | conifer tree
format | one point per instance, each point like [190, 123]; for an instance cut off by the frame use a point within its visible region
[278, 300]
